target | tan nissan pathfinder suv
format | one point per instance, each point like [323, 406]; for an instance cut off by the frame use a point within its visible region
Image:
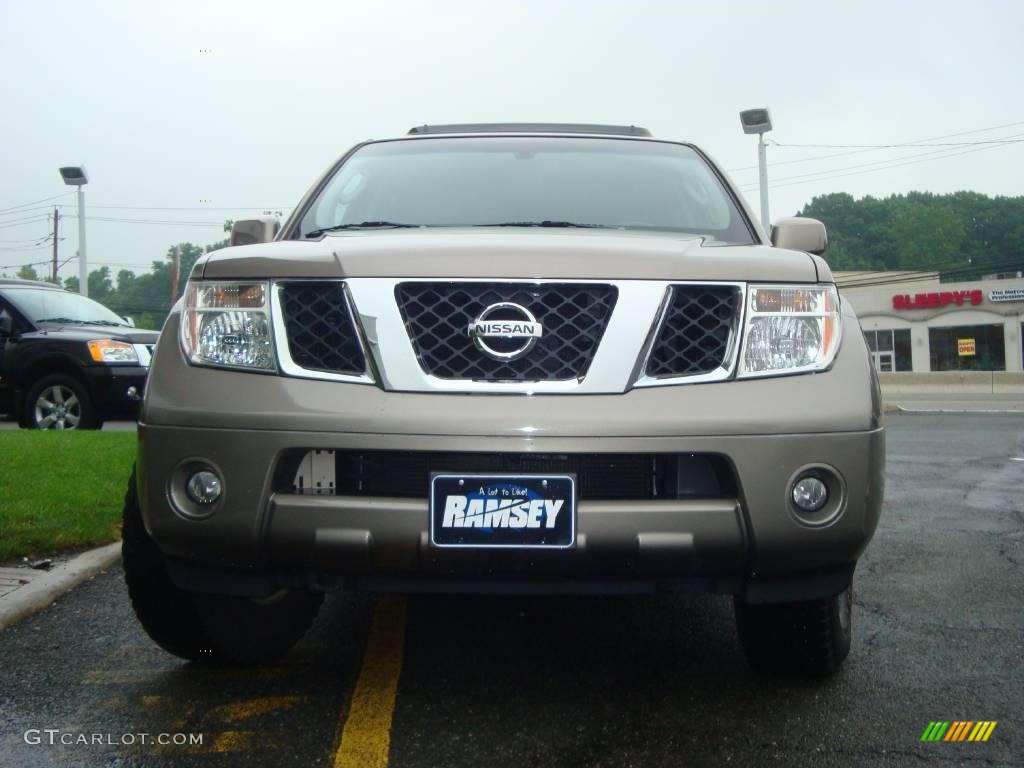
[508, 358]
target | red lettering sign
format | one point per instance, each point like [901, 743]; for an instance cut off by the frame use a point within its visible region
[936, 300]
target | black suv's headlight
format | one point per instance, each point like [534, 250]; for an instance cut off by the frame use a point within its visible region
[112, 351]
[790, 329]
[227, 325]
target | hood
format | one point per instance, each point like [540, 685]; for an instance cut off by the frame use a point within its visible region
[76, 332]
[509, 253]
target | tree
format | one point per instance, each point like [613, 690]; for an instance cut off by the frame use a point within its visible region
[100, 287]
[971, 232]
[147, 297]
[27, 272]
[927, 237]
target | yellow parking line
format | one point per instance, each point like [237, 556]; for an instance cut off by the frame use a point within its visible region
[233, 741]
[366, 731]
[249, 708]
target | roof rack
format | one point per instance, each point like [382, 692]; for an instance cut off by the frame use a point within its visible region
[610, 130]
[14, 282]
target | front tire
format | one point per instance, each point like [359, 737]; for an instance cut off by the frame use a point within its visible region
[201, 627]
[59, 401]
[810, 639]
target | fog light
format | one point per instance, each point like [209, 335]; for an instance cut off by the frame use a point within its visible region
[203, 487]
[809, 494]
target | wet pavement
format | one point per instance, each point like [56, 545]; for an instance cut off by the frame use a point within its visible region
[581, 681]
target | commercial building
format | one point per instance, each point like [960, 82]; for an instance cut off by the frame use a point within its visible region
[918, 324]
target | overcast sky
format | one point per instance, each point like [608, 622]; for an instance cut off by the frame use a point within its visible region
[127, 89]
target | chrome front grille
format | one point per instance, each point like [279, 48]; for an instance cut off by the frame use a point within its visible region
[598, 337]
[573, 315]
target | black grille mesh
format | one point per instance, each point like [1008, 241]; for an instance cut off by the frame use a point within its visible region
[598, 476]
[321, 335]
[573, 317]
[694, 336]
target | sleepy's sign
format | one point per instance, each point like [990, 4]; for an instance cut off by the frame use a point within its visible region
[937, 300]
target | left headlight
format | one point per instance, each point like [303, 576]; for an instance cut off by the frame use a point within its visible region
[228, 325]
[112, 351]
[790, 329]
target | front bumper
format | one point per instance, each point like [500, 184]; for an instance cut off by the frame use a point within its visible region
[258, 537]
[111, 386]
[716, 544]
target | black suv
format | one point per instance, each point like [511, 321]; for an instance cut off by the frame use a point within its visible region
[67, 361]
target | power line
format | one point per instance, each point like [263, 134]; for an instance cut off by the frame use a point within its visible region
[893, 146]
[26, 248]
[894, 165]
[45, 199]
[28, 211]
[120, 220]
[22, 223]
[198, 208]
[124, 263]
[886, 162]
[156, 208]
[862, 151]
[19, 264]
[923, 157]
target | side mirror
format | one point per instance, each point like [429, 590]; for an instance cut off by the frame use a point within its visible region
[128, 321]
[6, 323]
[252, 231]
[800, 234]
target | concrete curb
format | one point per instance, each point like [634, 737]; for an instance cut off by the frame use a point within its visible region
[45, 588]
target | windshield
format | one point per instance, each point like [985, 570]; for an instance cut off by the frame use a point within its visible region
[519, 180]
[45, 305]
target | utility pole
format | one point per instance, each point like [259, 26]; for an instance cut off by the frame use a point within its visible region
[56, 219]
[175, 268]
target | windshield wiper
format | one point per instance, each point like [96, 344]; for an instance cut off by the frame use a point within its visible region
[104, 322]
[361, 225]
[56, 320]
[545, 223]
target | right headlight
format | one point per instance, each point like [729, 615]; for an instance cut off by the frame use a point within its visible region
[789, 329]
[227, 325]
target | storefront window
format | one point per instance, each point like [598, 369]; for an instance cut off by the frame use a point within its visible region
[890, 350]
[901, 346]
[967, 348]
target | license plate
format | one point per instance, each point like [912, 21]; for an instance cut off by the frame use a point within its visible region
[506, 511]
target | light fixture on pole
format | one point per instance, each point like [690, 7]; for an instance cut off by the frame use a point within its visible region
[75, 176]
[760, 122]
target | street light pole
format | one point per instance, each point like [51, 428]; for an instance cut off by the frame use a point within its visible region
[83, 269]
[75, 176]
[760, 122]
[56, 224]
[762, 164]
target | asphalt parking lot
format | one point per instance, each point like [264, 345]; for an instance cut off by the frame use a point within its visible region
[653, 681]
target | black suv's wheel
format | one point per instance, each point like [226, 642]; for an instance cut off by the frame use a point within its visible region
[809, 638]
[59, 401]
[199, 627]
